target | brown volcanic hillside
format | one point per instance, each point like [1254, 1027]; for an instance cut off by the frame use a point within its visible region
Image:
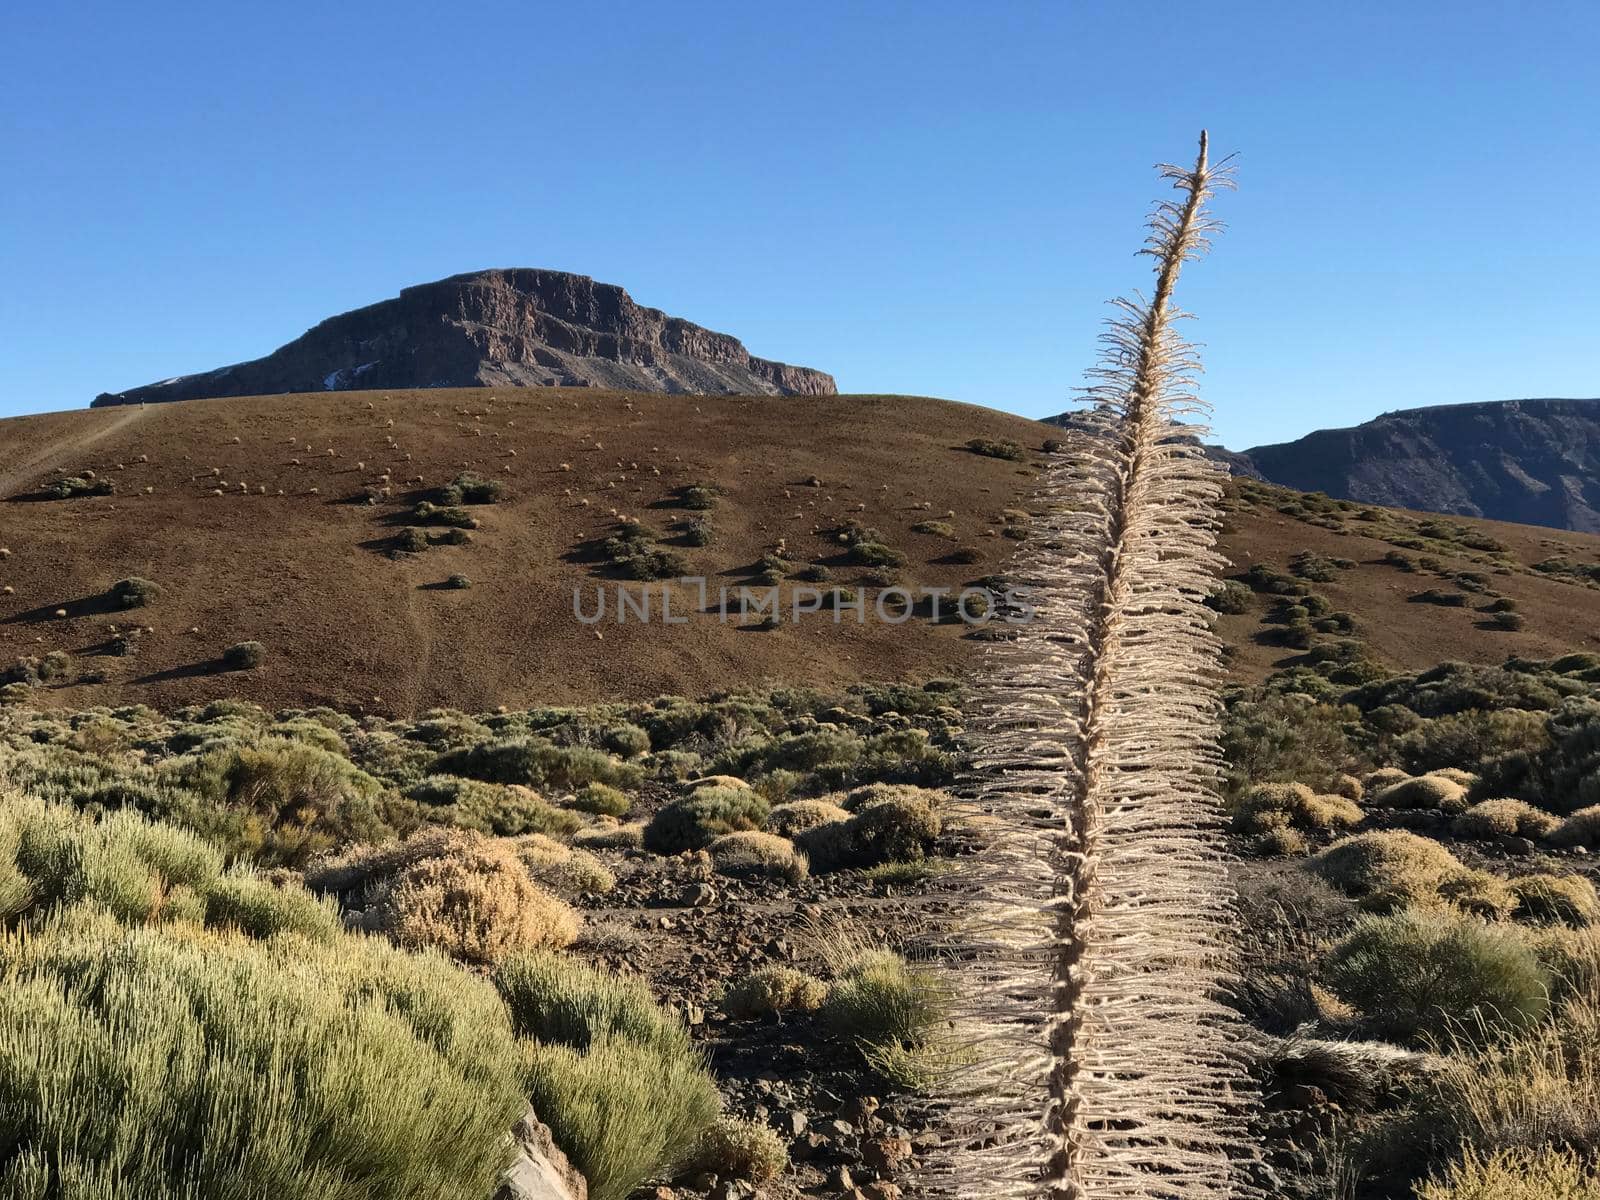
[506, 328]
[310, 573]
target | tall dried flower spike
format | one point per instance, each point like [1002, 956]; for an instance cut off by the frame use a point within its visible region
[1104, 1065]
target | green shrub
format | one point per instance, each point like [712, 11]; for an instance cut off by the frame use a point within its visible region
[500, 809]
[167, 1062]
[626, 740]
[562, 869]
[621, 1113]
[134, 592]
[1230, 596]
[735, 1149]
[1424, 791]
[940, 529]
[997, 448]
[616, 1077]
[535, 762]
[1310, 565]
[1438, 975]
[1271, 806]
[602, 800]
[1564, 899]
[244, 656]
[876, 554]
[892, 1012]
[751, 853]
[1542, 1173]
[77, 485]
[1386, 869]
[260, 909]
[449, 515]
[471, 489]
[694, 821]
[1504, 818]
[794, 818]
[458, 583]
[772, 990]
[1440, 597]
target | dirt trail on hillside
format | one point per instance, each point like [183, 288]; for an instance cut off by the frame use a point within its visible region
[14, 477]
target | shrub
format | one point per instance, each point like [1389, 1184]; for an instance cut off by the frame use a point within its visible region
[1376, 781]
[1440, 976]
[620, 1112]
[535, 762]
[1471, 737]
[615, 1076]
[1545, 1173]
[891, 1011]
[244, 656]
[505, 810]
[1386, 869]
[562, 869]
[693, 821]
[797, 816]
[458, 891]
[1582, 828]
[735, 1149]
[471, 489]
[449, 515]
[1310, 565]
[774, 990]
[458, 582]
[260, 909]
[626, 740]
[700, 496]
[1283, 842]
[602, 800]
[1441, 597]
[411, 540]
[165, 1061]
[1272, 806]
[1230, 596]
[1424, 791]
[997, 448]
[697, 531]
[894, 824]
[611, 837]
[941, 529]
[750, 852]
[134, 592]
[76, 485]
[876, 554]
[1504, 818]
[1551, 899]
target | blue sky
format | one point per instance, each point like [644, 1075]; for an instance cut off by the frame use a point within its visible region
[929, 198]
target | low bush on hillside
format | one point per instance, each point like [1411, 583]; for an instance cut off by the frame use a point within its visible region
[500, 809]
[1546, 1173]
[1271, 806]
[1230, 596]
[737, 1149]
[78, 485]
[1385, 869]
[997, 448]
[244, 656]
[450, 515]
[564, 870]
[468, 488]
[1553, 899]
[616, 1078]
[751, 853]
[133, 592]
[448, 889]
[1424, 975]
[893, 1012]
[773, 990]
[692, 822]
[1504, 818]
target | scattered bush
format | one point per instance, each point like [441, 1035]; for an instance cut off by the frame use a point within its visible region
[694, 821]
[452, 889]
[1387, 869]
[1440, 597]
[750, 852]
[1504, 818]
[562, 869]
[458, 582]
[941, 529]
[1582, 828]
[602, 800]
[794, 818]
[471, 489]
[1282, 842]
[1230, 596]
[1272, 806]
[76, 485]
[244, 656]
[892, 1012]
[1550, 899]
[1543, 1173]
[1434, 792]
[993, 448]
[134, 592]
[1436, 975]
[1508, 621]
[735, 1149]
[773, 990]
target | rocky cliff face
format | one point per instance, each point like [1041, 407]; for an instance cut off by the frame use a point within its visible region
[1536, 462]
[512, 328]
[1532, 461]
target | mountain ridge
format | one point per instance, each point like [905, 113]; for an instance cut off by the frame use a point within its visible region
[501, 327]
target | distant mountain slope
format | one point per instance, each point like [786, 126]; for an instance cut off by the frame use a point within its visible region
[502, 328]
[1536, 462]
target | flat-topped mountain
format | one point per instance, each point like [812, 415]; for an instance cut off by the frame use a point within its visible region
[500, 328]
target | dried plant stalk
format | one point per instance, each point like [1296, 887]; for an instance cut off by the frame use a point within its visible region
[1106, 1066]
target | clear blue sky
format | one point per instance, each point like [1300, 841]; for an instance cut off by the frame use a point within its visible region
[920, 197]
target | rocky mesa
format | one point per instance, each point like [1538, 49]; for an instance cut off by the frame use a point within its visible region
[500, 328]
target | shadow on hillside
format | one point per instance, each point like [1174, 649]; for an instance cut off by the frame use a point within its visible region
[211, 666]
[98, 605]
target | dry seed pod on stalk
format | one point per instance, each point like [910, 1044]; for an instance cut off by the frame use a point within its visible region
[1104, 1065]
